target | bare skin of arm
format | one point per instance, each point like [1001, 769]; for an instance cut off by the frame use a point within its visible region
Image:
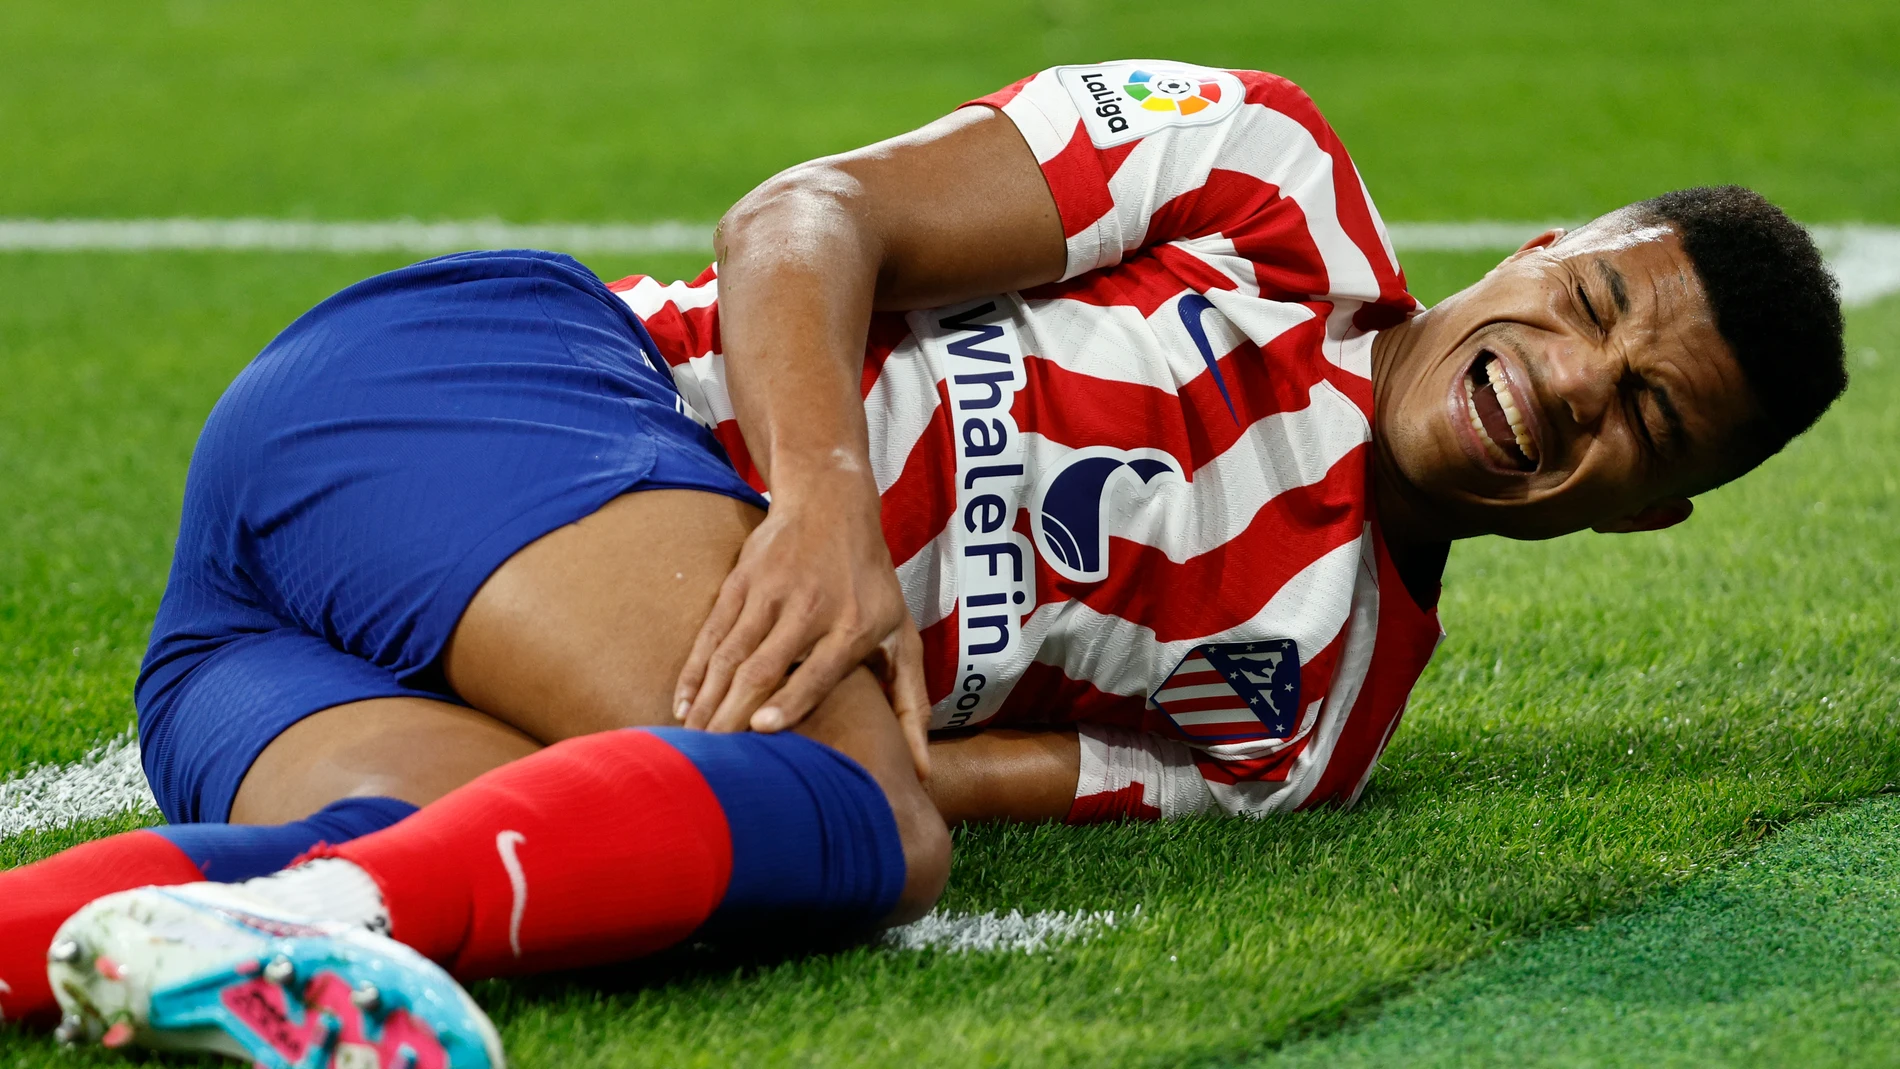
[954, 210]
[1004, 775]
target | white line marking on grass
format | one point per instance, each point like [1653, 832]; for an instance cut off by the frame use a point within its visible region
[1463, 237]
[961, 933]
[399, 235]
[106, 782]
[1866, 258]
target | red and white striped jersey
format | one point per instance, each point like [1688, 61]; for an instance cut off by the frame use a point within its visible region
[1139, 496]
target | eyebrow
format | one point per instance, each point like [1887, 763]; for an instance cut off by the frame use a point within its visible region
[1619, 293]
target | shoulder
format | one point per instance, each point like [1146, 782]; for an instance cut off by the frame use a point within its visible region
[1122, 101]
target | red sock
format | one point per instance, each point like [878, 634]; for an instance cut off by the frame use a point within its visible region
[36, 899]
[597, 849]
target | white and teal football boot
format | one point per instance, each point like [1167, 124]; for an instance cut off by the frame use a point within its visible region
[209, 967]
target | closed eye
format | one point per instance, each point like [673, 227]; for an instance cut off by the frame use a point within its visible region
[1588, 308]
[1640, 421]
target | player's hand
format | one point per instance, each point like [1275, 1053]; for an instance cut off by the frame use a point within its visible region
[813, 592]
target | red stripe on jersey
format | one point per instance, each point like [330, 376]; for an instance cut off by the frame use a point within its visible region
[1113, 158]
[1197, 273]
[1077, 171]
[1001, 96]
[733, 440]
[940, 656]
[622, 285]
[1046, 695]
[1194, 679]
[1144, 281]
[1261, 384]
[1227, 585]
[1350, 203]
[1286, 261]
[1406, 637]
[1124, 803]
[1272, 768]
[918, 505]
[1178, 706]
[1195, 427]
[888, 331]
[1081, 410]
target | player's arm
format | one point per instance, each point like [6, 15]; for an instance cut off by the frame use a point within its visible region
[1082, 775]
[1005, 774]
[956, 209]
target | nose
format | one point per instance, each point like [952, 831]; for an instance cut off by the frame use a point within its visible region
[1582, 378]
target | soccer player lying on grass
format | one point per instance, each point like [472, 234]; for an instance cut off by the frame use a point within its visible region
[1095, 416]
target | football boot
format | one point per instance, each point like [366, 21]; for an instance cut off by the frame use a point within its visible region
[211, 967]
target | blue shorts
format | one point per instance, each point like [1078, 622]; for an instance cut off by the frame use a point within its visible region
[363, 477]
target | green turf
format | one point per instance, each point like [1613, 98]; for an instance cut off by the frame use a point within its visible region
[638, 109]
[1800, 934]
[1609, 718]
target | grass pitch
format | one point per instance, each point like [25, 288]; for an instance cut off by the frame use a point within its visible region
[1609, 719]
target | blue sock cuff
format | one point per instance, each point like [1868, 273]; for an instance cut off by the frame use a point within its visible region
[811, 830]
[230, 852]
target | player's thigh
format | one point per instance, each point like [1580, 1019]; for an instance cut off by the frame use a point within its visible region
[409, 748]
[586, 628]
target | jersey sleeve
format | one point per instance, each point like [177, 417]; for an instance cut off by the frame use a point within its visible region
[1141, 153]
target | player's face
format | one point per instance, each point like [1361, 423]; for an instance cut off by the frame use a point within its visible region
[1582, 383]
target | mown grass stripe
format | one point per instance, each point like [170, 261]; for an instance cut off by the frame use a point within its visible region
[1786, 958]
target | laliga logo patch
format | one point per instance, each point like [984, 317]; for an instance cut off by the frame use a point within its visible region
[1070, 511]
[1123, 102]
[1172, 92]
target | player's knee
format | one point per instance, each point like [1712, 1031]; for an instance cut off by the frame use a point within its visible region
[926, 842]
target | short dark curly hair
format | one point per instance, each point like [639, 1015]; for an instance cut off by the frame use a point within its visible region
[1775, 303]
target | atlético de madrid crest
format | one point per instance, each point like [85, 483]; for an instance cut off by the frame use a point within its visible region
[1230, 691]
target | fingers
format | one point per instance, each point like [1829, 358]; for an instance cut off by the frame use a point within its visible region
[748, 664]
[833, 658]
[712, 635]
[910, 698]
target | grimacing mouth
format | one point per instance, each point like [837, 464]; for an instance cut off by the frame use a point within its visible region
[1497, 411]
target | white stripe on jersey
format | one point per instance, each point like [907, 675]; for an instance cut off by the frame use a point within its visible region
[648, 296]
[1277, 453]
[1270, 145]
[1115, 343]
[1117, 656]
[1184, 519]
[898, 410]
[701, 382]
[1261, 142]
[1257, 798]
[1217, 251]
[1201, 690]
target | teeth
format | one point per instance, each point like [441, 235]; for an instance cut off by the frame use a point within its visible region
[1508, 401]
[1491, 448]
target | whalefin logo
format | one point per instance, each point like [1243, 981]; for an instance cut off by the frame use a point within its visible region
[1071, 513]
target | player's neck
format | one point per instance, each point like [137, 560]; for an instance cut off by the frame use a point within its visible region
[1413, 531]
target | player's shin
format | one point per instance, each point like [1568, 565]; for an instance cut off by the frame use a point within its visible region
[611, 846]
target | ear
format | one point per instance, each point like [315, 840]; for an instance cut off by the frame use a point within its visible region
[1542, 241]
[1665, 513]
